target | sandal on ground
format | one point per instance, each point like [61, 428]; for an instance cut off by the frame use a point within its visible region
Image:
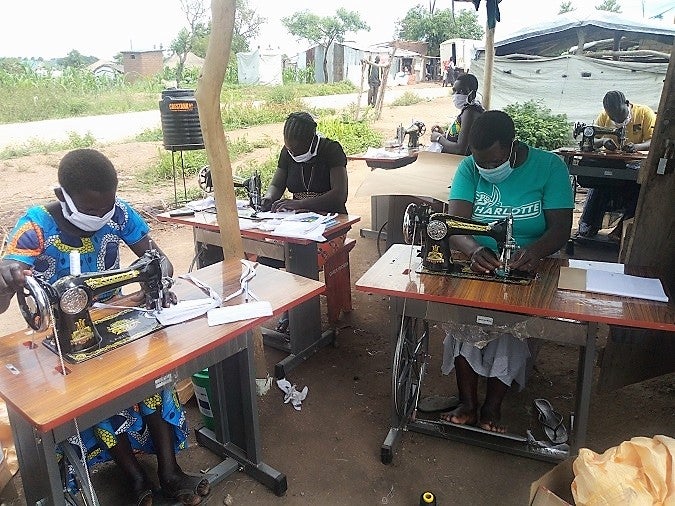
[190, 491]
[282, 326]
[144, 497]
[551, 421]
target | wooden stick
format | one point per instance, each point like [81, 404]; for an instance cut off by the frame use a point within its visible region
[209, 87]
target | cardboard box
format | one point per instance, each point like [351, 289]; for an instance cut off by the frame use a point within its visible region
[554, 488]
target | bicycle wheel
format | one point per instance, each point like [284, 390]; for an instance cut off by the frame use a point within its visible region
[410, 358]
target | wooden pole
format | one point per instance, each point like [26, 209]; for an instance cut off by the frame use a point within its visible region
[208, 91]
[385, 76]
[489, 66]
[364, 66]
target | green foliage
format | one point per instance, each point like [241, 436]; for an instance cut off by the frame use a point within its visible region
[439, 26]
[355, 136]
[609, 6]
[36, 146]
[292, 75]
[565, 7]
[408, 98]
[538, 127]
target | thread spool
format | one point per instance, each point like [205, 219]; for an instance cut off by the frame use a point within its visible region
[75, 268]
[428, 499]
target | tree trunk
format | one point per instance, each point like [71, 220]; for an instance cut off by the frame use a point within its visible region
[383, 85]
[207, 94]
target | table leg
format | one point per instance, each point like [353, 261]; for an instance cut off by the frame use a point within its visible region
[584, 385]
[237, 433]
[36, 454]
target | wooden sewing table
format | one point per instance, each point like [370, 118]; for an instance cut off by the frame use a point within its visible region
[567, 317]
[43, 404]
[299, 257]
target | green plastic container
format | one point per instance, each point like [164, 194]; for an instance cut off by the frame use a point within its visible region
[200, 380]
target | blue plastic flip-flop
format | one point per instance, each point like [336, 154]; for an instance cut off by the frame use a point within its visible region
[551, 421]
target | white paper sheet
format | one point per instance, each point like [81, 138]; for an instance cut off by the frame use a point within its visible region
[185, 310]
[238, 312]
[598, 266]
[613, 283]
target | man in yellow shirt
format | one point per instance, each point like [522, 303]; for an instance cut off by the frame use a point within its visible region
[616, 194]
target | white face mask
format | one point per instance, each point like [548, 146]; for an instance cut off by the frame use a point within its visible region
[460, 100]
[624, 122]
[498, 174]
[86, 222]
[311, 153]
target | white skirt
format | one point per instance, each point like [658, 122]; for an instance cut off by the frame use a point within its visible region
[504, 358]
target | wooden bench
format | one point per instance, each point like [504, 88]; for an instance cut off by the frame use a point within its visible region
[336, 274]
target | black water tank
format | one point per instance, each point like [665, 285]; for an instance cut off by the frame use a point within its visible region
[181, 130]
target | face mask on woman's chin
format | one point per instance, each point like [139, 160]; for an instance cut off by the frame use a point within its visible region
[86, 222]
[459, 100]
[498, 174]
[311, 153]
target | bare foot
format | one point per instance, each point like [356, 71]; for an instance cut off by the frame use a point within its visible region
[462, 415]
[489, 420]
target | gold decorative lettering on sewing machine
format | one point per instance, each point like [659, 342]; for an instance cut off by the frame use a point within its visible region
[590, 132]
[414, 132]
[67, 301]
[432, 230]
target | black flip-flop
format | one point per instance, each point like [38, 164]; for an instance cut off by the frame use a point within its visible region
[551, 421]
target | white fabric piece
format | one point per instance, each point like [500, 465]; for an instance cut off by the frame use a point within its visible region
[239, 312]
[504, 358]
[291, 394]
[185, 310]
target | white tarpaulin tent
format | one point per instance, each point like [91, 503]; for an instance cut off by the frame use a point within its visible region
[573, 85]
[259, 67]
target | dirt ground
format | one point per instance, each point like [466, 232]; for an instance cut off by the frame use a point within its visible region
[330, 450]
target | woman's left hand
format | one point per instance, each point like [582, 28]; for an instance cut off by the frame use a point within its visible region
[525, 260]
[286, 205]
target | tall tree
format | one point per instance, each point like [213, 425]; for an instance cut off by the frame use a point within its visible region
[566, 7]
[609, 6]
[324, 30]
[434, 28]
[247, 23]
[195, 14]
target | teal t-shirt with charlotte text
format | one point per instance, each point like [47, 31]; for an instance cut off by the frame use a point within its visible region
[539, 184]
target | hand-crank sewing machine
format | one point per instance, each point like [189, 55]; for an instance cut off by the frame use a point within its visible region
[414, 132]
[252, 185]
[68, 300]
[433, 231]
[589, 132]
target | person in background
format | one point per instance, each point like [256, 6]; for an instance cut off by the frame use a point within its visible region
[503, 175]
[374, 80]
[604, 195]
[90, 219]
[314, 169]
[456, 139]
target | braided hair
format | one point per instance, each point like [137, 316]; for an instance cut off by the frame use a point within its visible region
[299, 126]
[86, 169]
[490, 127]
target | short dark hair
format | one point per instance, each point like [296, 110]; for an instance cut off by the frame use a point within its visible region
[87, 169]
[469, 81]
[614, 100]
[490, 127]
[299, 126]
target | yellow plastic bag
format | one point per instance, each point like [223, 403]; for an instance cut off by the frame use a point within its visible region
[635, 473]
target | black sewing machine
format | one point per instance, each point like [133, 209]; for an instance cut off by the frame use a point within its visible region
[67, 301]
[414, 132]
[422, 225]
[252, 185]
[589, 132]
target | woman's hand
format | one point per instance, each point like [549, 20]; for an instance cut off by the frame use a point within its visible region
[484, 260]
[525, 260]
[287, 205]
[12, 277]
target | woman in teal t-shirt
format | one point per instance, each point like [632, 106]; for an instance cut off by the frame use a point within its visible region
[503, 176]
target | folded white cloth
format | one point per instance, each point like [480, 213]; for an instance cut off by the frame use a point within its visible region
[185, 310]
[291, 394]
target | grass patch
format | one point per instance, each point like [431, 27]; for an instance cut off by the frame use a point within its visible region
[408, 98]
[37, 146]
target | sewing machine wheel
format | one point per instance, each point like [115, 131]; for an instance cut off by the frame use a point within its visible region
[204, 179]
[410, 358]
[409, 223]
[77, 492]
[34, 305]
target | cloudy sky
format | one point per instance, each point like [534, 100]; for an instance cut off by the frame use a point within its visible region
[51, 28]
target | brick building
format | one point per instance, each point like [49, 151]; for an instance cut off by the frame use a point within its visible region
[139, 64]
